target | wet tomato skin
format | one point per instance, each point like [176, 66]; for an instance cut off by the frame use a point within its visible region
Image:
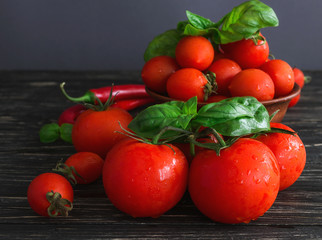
[144, 180]
[238, 186]
[290, 154]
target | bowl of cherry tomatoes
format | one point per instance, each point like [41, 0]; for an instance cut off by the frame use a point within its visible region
[237, 69]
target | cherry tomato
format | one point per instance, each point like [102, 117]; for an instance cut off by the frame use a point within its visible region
[87, 167]
[194, 52]
[289, 151]
[144, 180]
[215, 98]
[294, 101]
[282, 75]
[156, 72]
[252, 82]
[50, 194]
[95, 131]
[246, 53]
[225, 69]
[237, 186]
[299, 77]
[187, 83]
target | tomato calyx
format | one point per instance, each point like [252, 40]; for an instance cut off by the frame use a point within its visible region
[211, 85]
[68, 171]
[58, 205]
[258, 39]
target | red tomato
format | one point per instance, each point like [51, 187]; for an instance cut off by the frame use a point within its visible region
[281, 74]
[252, 82]
[225, 69]
[238, 186]
[48, 184]
[299, 77]
[246, 53]
[194, 52]
[95, 131]
[187, 83]
[294, 101]
[156, 72]
[87, 165]
[144, 180]
[215, 98]
[289, 151]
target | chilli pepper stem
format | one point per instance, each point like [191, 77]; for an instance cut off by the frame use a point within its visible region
[88, 97]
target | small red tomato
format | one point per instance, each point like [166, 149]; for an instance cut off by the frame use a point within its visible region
[87, 167]
[225, 69]
[50, 194]
[156, 72]
[252, 82]
[194, 52]
[294, 101]
[282, 75]
[187, 83]
[299, 77]
[246, 53]
[289, 151]
[237, 186]
[215, 98]
[144, 180]
[96, 131]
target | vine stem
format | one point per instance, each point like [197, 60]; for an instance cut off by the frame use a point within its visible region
[157, 137]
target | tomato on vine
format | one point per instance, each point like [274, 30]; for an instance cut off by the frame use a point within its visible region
[143, 179]
[239, 185]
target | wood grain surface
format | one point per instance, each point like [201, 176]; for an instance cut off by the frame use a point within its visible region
[30, 99]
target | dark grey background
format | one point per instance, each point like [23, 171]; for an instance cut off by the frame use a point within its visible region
[112, 35]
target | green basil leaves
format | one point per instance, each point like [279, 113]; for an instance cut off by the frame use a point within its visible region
[243, 22]
[230, 117]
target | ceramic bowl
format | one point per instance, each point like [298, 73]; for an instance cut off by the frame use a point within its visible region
[272, 106]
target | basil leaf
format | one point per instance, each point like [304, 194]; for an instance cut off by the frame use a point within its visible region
[199, 21]
[245, 125]
[190, 107]
[221, 112]
[49, 133]
[244, 21]
[153, 119]
[163, 44]
[66, 132]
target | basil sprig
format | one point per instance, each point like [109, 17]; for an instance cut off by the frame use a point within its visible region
[242, 22]
[230, 117]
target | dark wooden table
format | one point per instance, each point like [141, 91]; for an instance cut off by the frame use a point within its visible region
[31, 99]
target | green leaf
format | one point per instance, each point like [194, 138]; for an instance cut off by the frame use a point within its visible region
[153, 119]
[163, 44]
[199, 21]
[221, 112]
[190, 107]
[66, 132]
[244, 21]
[245, 125]
[49, 133]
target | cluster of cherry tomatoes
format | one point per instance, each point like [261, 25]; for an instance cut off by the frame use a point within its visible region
[241, 68]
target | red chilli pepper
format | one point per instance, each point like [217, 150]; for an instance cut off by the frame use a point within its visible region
[71, 113]
[120, 92]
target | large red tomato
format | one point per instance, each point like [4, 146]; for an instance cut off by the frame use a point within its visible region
[144, 180]
[246, 53]
[289, 151]
[96, 131]
[237, 186]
